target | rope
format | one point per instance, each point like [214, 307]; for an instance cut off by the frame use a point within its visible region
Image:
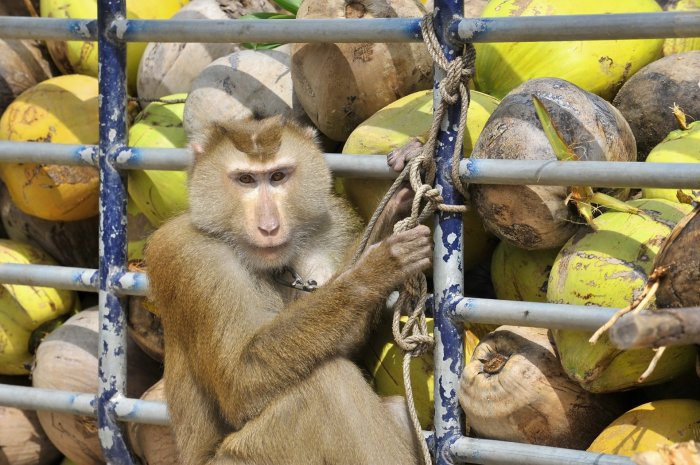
[413, 338]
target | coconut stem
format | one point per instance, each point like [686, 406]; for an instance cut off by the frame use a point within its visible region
[680, 116]
[494, 364]
[652, 365]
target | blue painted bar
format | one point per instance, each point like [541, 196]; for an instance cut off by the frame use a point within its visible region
[113, 257]
[61, 277]
[448, 272]
[522, 29]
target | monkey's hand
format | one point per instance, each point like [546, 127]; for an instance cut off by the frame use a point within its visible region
[400, 256]
[398, 158]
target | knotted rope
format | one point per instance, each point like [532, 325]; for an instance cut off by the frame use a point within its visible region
[413, 337]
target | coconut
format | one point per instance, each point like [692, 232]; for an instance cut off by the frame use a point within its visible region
[681, 255]
[680, 146]
[537, 217]
[22, 65]
[18, 8]
[80, 57]
[609, 267]
[341, 85]
[519, 274]
[672, 80]
[71, 243]
[153, 444]
[145, 328]
[159, 194]
[383, 360]
[392, 127]
[681, 44]
[62, 110]
[246, 83]
[67, 360]
[598, 66]
[27, 311]
[514, 389]
[170, 68]
[648, 426]
[22, 440]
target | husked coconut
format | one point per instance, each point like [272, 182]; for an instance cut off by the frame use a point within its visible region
[153, 444]
[67, 360]
[341, 85]
[514, 389]
[169, 68]
[145, 328]
[243, 84]
[537, 217]
[22, 65]
[646, 100]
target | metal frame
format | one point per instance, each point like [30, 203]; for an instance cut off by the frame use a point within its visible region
[112, 281]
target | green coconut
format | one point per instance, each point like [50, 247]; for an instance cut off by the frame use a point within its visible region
[392, 127]
[680, 146]
[159, 194]
[519, 274]
[682, 44]
[609, 267]
[598, 66]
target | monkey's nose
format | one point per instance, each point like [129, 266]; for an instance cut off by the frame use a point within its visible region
[268, 229]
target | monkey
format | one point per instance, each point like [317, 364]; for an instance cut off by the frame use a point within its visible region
[258, 372]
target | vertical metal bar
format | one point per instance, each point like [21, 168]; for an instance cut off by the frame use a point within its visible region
[448, 273]
[113, 138]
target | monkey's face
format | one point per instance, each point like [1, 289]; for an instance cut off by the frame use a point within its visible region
[267, 204]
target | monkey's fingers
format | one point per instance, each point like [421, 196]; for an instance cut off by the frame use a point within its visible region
[398, 158]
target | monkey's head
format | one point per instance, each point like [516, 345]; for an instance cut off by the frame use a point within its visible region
[263, 186]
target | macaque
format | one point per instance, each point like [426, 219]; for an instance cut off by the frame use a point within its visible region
[258, 372]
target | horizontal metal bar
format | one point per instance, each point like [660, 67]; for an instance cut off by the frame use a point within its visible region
[577, 27]
[481, 171]
[20, 27]
[535, 314]
[62, 277]
[490, 452]
[76, 279]
[75, 403]
[522, 29]
[581, 173]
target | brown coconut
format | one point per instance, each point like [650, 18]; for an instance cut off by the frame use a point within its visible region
[23, 64]
[646, 100]
[67, 360]
[514, 389]
[22, 439]
[145, 328]
[537, 217]
[153, 444]
[681, 255]
[243, 84]
[341, 85]
[71, 243]
[169, 68]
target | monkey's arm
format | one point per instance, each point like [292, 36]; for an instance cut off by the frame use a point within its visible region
[319, 326]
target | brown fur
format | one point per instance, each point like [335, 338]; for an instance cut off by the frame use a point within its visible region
[255, 372]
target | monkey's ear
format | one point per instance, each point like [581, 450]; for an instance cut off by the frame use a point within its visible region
[310, 132]
[197, 149]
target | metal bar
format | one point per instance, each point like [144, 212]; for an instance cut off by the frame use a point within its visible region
[477, 171]
[586, 173]
[76, 403]
[19, 27]
[490, 452]
[522, 29]
[113, 197]
[617, 26]
[448, 271]
[535, 314]
[61, 277]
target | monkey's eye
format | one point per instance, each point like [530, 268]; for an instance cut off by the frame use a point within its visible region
[277, 176]
[246, 179]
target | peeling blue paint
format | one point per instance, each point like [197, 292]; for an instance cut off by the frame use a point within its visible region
[82, 29]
